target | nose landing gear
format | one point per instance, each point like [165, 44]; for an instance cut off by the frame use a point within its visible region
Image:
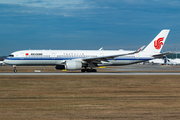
[15, 71]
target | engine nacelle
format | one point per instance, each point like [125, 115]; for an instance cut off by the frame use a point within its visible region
[73, 65]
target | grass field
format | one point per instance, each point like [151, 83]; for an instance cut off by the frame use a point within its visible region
[89, 97]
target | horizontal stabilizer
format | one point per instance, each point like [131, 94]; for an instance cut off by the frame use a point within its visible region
[162, 54]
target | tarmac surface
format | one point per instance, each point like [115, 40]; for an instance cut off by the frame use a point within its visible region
[116, 70]
[127, 73]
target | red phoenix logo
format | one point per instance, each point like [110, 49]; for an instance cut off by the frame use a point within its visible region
[158, 43]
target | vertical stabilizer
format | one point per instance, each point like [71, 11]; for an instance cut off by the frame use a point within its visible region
[157, 43]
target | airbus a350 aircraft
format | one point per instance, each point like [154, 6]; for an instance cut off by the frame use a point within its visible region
[84, 59]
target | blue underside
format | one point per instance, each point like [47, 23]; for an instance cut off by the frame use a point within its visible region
[59, 58]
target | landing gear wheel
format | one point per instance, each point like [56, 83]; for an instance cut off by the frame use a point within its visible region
[15, 70]
[91, 70]
[94, 70]
[83, 70]
[88, 70]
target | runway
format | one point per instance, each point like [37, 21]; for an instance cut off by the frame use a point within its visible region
[120, 70]
[117, 73]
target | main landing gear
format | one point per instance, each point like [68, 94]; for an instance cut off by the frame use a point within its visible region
[88, 70]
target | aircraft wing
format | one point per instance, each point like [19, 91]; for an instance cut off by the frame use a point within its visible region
[104, 58]
[162, 54]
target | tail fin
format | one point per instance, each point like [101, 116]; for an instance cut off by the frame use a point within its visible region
[157, 43]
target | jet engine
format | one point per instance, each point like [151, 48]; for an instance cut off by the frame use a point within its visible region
[70, 65]
[73, 65]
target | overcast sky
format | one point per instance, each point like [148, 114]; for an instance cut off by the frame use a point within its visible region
[86, 24]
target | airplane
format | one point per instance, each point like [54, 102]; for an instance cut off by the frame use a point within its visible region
[164, 61]
[157, 61]
[87, 60]
[168, 61]
[1, 62]
[176, 61]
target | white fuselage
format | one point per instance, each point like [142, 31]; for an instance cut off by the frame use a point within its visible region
[57, 57]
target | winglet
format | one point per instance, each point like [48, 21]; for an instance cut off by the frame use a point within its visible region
[140, 48]
[101, 49]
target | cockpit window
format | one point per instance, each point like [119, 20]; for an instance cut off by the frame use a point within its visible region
[11, 55]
